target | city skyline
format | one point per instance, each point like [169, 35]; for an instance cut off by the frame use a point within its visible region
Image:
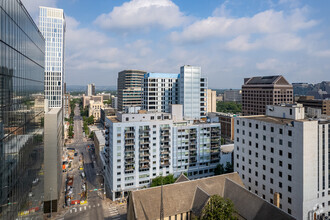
[224, 38]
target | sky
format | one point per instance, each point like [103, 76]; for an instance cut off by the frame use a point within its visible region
[230, 40]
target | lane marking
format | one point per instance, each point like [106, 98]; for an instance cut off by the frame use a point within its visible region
[85, 207]
[70, 210]
[80, 209]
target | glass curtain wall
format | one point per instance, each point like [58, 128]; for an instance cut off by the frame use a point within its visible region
[22, 58]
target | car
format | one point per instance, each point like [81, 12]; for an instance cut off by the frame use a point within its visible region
[34, 182]
[75, 154]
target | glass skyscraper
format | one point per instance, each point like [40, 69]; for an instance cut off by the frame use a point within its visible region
[52, 26]
[22, 59]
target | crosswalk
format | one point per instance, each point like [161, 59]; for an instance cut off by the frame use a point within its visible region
[114, 214]
[82, 208]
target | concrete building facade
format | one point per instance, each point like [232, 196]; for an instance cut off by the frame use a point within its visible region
[52, 26]
[257, 92]
[283, 158]
[232, 95]
[94, 109]
[160, 90]
[141, 146]
[53, 156]
[129, 88]
[310, 102]
[211, 100]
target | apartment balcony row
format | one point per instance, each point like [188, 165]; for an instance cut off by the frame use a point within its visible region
[192, 148]
[144, 154]
[165, 133]
[144, 166]
[192, 131]
[129, 149]
[129, 162]
[129, 143]
[144, 135]
[215, 140]
[144, 148]
[129, 168]
[165, 128]
[129, 155]
[144, 160]
[165, 147]
[144, 129]
[129, 136]
[144, 142]
[130, 130]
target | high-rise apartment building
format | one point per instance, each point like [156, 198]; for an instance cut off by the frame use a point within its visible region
[52, 26]
[22, 60]
[160, 90]
[129, 88]
[90, 89]
[257, 92]
[193, 92]
[284, 158]
[211, 100]
[143, 145]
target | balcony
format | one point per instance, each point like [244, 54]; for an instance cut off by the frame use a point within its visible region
[165, 139]
[165, 128]
[127, 131]
[144, 135]
[145, 166]
[142, 148]
[144, 129]
[129, 162]
[144, 155]
[129, 137]
[144, 160]
[129, 149]
[129, 168]
[192, 132]
[129, 143]
[144, 142]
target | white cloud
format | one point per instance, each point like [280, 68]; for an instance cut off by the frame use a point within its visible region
[266, 22]
[142, 14]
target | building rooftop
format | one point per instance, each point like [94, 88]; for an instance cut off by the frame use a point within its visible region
[162, 75]
[271, 119]
[266, 80]
[191, 196]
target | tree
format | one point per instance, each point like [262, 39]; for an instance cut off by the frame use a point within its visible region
[159, 179]
[229, 107]
[218, 208]
[220, 169]
[229, 168]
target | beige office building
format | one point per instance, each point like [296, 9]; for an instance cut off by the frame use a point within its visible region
[211, 101]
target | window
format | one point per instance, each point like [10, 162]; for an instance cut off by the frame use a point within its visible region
[280, 163]
[289, 155]
[289, 177]
[271, 170]
[280, 184]
[264, 127]
[271, 139]
[289, 200]
[271, 180]
[289, 189]
[289, 166]
[272, 129]
[271, 191]
[237, 122]
[250, 125]
[257, 126]
[264, 147]
[289, 132]
[289, 210]
[280, 173]
[281, 142]
[272, 160]
[264, 167]
[280, 152]
[264, 177]
[264, 137]
[272, 150]
[289, 144]
[281, 131]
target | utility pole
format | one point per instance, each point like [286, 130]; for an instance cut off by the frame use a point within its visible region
[51, 208]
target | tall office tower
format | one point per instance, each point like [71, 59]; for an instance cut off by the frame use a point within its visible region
[90, 89]
[193, 92]
[22, 58]
[259, 91]
[129, 88]
[284, 158]
[160, 90]
[211, 100]
[142, 145]
[52, 26]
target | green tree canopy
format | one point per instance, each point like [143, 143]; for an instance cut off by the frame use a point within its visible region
[218, 208]
[229, 107]
[166, 180]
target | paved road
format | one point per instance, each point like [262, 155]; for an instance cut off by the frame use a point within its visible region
[93, 209]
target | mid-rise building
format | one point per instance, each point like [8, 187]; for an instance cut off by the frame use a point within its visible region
[114, 102]
[66, 105]
[257, 92]
[232, 95]
[53, 156]
[193, 92]
[310, 102]
[143, 145]
[90, 89]
[160, 90]
[22, 67]
[129, 88]
[87, 99]
[94, 109]
[52, 26]
[211, 101]
[283, 158]
[226, 121]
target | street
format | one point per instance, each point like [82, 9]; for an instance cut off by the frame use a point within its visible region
[96, 207]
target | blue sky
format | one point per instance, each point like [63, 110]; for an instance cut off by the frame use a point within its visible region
[230, 40]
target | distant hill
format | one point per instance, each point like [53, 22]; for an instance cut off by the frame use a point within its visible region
[82, 88]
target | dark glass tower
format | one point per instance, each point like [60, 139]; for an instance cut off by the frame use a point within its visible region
[22, 58]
